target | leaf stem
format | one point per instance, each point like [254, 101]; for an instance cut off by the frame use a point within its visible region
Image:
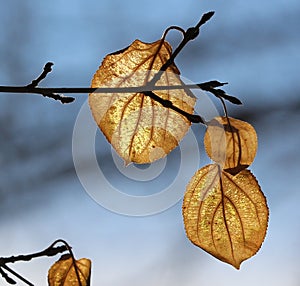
[168, 104]
[172, 28]
[190, 34]
[69, 248]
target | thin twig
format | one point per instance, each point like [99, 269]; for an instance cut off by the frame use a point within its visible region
[8, 279]
[20, 277]
[189, 35]
[133, 89]
[168, 104]
[207, 86]
[47, 69]
[148, 90]
[49, 251]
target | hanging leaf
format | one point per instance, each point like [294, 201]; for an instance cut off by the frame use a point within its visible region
[62, 272]
[230, 142]
[139, 128]
[225, 215]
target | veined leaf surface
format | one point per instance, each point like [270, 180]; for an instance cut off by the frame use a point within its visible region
[140, 129]
[230, 142]
[225, 215]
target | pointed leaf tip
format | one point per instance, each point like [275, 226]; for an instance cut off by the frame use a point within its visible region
[225, 215]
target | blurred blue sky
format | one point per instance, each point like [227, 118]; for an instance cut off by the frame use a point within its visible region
[252, 45]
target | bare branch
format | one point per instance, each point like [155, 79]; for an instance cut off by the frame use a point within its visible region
[49, 251]
[189, 35]
[148, 90]
[47, 69]
[82, 90]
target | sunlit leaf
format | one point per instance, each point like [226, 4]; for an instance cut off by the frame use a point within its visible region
[62, 272]
[225, 215]
[140, 129]
[230, 142]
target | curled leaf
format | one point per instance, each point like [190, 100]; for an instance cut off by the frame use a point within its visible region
[225, 215]
[62, 272]
[230, 142]
[139, 128]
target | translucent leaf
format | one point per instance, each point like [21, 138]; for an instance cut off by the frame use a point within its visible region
[140, 129]
[225, 215]
[232, 143]
[62, 272]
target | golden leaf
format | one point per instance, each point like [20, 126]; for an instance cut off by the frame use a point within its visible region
[225, 215]
[62, 272]
[230, 142]
[140, 129]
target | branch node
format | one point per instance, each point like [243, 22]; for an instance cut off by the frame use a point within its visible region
[192, 33]
[210, 86]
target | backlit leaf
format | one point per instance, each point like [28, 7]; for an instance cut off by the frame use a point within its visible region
[230, 142]
[140, 129]
[62, 272]
[225, 215]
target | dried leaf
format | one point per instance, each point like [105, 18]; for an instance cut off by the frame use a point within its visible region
[62, 272]
[140, 129]
[232, 143]
[225, 215]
